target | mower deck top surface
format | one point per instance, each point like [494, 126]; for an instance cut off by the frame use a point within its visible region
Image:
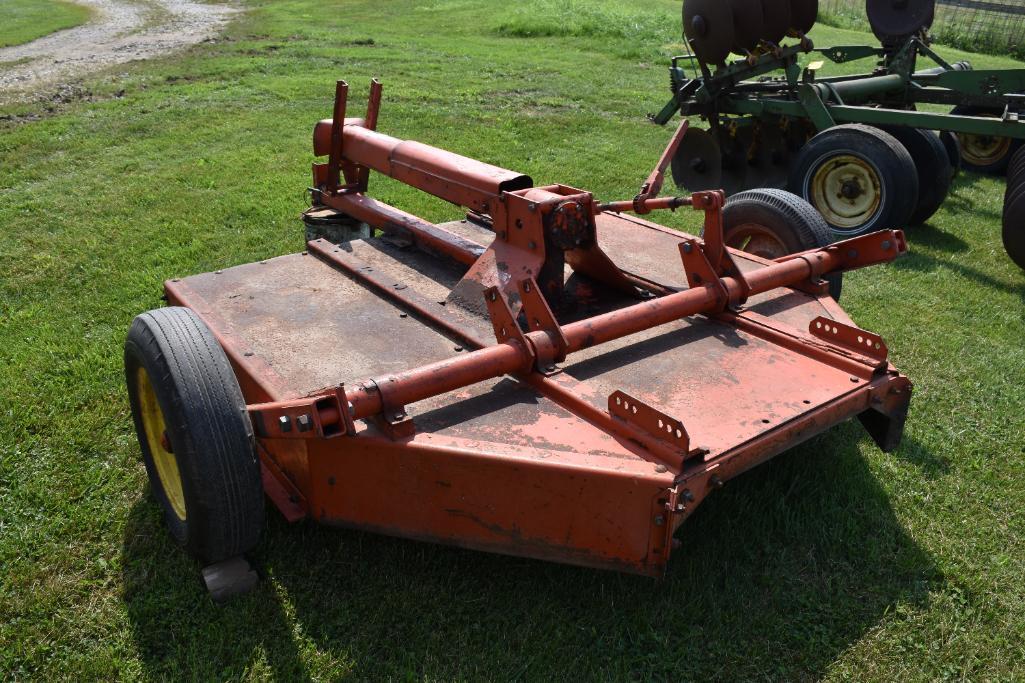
[301, 325]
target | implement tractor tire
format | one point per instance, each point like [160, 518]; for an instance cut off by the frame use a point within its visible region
[772, 223]
[932, 165]
[196, 436]
[987, 154]
[1013, 219]
[860, 179]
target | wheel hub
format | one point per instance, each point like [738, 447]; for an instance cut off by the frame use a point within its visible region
[846, 190]
[982, 150]
[850, 189]
[159, 445]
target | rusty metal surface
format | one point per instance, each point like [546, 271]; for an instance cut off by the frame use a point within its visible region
[315, 327]
[724, 385]
[311, 325]
[649, 250]
[582, 509]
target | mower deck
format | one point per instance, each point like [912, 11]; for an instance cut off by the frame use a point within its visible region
[521, 466]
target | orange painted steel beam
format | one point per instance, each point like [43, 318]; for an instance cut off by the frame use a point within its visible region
[371, 396]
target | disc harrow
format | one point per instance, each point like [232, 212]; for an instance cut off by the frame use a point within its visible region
[847, 144]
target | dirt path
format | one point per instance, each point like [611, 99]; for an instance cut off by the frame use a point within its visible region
[122, 31]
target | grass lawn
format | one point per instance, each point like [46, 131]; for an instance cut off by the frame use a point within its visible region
[832, 561]
[24, 20]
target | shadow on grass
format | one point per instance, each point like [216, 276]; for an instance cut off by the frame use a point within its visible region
[778, 574]
[917, 260]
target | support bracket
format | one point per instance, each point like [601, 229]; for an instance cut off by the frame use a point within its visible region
[550, 349]
[316, 417]
[651, 421]
[849, 337]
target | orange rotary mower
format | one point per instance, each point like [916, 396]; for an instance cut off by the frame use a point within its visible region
[549, 376]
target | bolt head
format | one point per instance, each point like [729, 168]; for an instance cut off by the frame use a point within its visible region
[304, 422]
[284, 423]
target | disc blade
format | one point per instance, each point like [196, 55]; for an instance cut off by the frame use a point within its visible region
[697, 164]
[747, 24]
[770, 161]
[775, 20]
[796, 134]
[736, 148]
[708, 26]
[803, 14]
[894, 20]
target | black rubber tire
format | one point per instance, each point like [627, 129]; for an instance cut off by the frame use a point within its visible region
[792, 220]
[888, 159]
[1015, 169]
[953, 148]
[1013, 229]
[209, 431]
[1014, 241]
[932, 166]
[998, 166]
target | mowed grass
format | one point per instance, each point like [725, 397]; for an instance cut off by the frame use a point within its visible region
[24, 20]
[833, 561]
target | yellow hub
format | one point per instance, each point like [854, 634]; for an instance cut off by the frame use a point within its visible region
[983, 150]
[159, 446]
[847, 191]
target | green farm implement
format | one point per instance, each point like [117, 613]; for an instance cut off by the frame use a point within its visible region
[869, 151]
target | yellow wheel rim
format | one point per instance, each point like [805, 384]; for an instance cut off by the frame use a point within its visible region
[159, 447]
[983, 150]
[847, 191]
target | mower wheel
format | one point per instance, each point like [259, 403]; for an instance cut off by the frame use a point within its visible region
[196, 437]
[932, 166]
[985, 153]
[773, 223]
[858, 177]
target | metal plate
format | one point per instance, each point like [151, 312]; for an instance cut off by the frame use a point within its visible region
[775, 20]
[894, 20]
[708, 25]
[803, 14]
[697, 164]
[748, 26]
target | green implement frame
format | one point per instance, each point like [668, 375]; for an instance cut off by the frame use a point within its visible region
[886, 96]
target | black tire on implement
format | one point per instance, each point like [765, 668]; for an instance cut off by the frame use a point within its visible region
[771, 223]
[203, 468]
[1013, 232]
[932, 166]
[887, 188]
[1013, 219]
